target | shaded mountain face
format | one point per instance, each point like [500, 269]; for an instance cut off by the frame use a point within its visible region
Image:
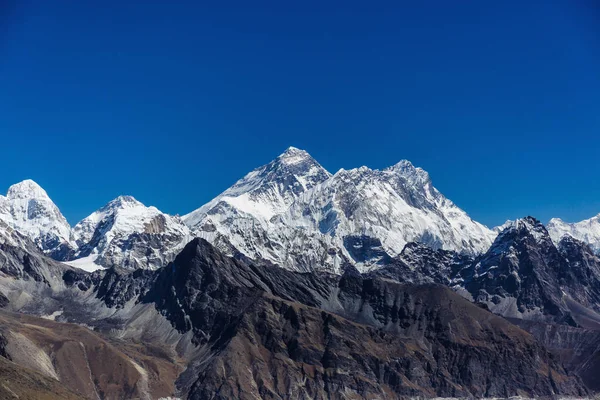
[245, 330]
[577, 348]
[268, 332]
[127, 234]
[418, 263]
[21, 260]
[295, 214]
[28, 209]
[524, 275]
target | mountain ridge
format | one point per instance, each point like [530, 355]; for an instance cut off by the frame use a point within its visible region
[290, 211]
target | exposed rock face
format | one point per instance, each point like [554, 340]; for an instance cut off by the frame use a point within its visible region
[582, 278]
[524, 275]
[577, 348]
[337, 336]
[85, 363]
[419, 263]
[20, 258]
[127, 234]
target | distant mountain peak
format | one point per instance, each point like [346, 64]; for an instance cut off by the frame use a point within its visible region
[587, 231]
[412, 174]
[27, 189]
[293, 153]
[127, 234]
[28, 210]
[123, 202]
[293, 158]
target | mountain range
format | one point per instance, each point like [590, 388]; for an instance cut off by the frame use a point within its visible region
[289, 207]
[296, 283]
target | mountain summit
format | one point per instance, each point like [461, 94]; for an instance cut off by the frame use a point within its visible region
[127, 234]
[267, 190]
[587, 231]
[293, 212]
[28, 209]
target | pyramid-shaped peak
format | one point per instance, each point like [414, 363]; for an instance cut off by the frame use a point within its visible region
[123, 202]
[293, 155]
[293, 151]
[27, 189]
[411, 173]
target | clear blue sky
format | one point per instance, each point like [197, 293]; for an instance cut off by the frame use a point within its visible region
[171, 103]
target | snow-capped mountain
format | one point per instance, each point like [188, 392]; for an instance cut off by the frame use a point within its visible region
[294, 213]
[526, 275]
[588, 231]
[127, 234]
[124, 233]
[239, 219]
[28, 209]
[268, 190]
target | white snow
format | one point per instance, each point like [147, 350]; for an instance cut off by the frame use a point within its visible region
[28, 209]
[85, 263]
[588, 231]
[297, 227]
[109, 230]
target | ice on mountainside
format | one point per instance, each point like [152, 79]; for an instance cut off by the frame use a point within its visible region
[124, 233]
[127, 234]
[588, 231]
[28, 209]
[295, 213]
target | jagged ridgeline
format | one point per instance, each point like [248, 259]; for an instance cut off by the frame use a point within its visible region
[296, 283]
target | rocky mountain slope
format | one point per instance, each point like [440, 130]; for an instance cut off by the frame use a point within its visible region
[85, 363]
[551, 290]
[127, 234]
[123, 233]
[363, 337]
[247, 330]
[18, 382]
[294, 213]
[525, 275]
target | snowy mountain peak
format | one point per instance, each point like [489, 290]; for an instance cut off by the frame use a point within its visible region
[127, 234]
[293, 212]
[414, 175]
[587, 231]
[522, 227]
[122, 202]
[266, 191]
[27, 189]
[28, 210]
[293, 155]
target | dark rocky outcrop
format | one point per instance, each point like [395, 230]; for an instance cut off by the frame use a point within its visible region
[273, 333]
[577, 348]
[418, 263]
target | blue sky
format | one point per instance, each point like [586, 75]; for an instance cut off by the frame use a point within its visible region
[171, 103]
